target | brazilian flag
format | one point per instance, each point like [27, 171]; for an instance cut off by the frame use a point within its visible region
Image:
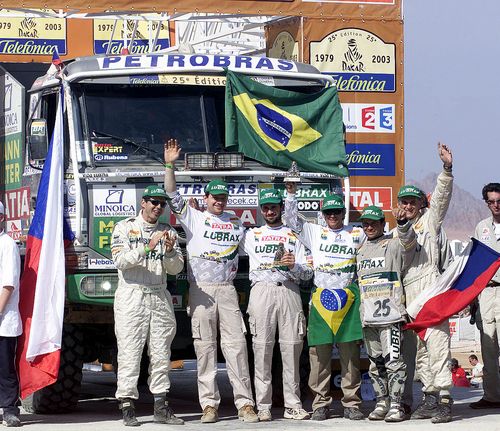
[276, 126]
[334, 316]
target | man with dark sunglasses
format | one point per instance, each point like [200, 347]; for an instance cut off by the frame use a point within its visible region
[144, 252]
[335, 297]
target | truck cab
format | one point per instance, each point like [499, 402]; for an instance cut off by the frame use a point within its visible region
[118, 112]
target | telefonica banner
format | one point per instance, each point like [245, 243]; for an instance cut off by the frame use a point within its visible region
[371, 159]
[31, 36]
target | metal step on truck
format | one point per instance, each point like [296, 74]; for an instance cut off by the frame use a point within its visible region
[119, 110]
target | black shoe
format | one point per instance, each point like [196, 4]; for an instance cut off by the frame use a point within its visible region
[406, 410]
[11, 420]
[321, 414]
[484, 404]
[353, 414]
[428, 408]
[128, 410]
[444, 411]
[163, 414]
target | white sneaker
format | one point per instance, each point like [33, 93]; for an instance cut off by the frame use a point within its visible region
[380, 410]
[297, 414]
[265, 415]
[395, 413]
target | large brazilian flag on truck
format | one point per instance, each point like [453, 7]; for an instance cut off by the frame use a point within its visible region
[276, 126]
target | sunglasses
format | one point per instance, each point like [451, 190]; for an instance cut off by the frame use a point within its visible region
[332, 212]
[155, 203]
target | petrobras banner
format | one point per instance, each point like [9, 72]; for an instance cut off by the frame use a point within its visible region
[178, 62]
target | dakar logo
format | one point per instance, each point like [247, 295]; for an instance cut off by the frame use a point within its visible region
[352, 58]
[28, 28]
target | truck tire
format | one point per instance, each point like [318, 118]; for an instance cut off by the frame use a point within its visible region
[62, 396]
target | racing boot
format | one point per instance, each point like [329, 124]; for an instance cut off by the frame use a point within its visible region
[380, 410]
[128, 410]
[163, 414]
[428, 408]
[444, 410]
[396, 413]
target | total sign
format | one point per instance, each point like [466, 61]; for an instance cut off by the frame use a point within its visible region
[368, 118]
[362, 197]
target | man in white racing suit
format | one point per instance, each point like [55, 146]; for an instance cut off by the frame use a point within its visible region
[277, 264]
[488, 232]
[333, 250]
[433, 354]
[144, 252]
[381, 261]
[213, 237]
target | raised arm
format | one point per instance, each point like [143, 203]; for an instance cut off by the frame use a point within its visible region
[171, 152]
[441, 197]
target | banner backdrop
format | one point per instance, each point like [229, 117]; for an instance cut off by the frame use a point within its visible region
[365, 59]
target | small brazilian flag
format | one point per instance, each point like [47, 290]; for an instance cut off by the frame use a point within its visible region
[276, 126]
[334, 316]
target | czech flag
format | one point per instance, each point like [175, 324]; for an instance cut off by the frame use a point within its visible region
[56, 60]
[42, 290]
[456, 288]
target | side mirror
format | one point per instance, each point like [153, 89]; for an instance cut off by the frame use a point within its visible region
[37, 139]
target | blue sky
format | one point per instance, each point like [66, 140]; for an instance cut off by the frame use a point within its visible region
[452, 88]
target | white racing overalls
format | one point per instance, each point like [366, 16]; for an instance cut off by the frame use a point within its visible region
[334, 265]
[432, 355]
[275, 303]
[489, 306]
[212, 250]
[143, 307]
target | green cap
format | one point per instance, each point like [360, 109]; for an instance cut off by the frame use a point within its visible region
[410, 191]
[372, 213]
[332, 202]
[154, 191]
[270, 196]
[217, 187]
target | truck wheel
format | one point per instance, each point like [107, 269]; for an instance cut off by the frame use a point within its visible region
[62, 396]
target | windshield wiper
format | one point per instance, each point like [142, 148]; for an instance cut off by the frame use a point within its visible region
[155, 154]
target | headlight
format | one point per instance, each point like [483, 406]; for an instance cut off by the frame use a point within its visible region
[229, 160]
[193, 161]
[99, 286]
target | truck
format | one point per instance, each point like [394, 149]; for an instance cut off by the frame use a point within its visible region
[119, 110]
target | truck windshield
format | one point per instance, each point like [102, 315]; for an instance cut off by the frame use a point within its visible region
[130, 123]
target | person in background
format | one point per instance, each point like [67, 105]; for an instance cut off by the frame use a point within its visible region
[458, 374]
[476, 376]
[277, 264]
[10, 325]
[488, 232]
[144, 252]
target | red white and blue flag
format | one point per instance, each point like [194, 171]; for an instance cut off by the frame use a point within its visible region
[42, 289]
[56, 60]
[456, 288]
